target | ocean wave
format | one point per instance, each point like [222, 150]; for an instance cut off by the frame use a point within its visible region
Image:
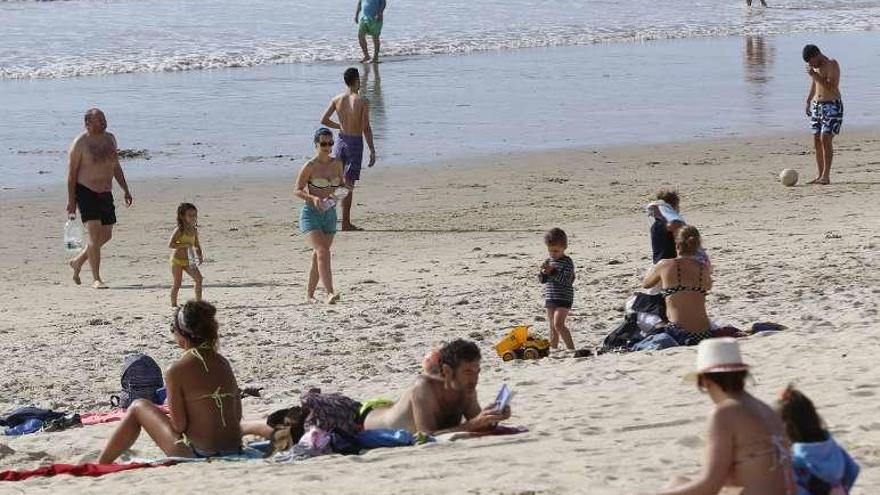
[263, 53]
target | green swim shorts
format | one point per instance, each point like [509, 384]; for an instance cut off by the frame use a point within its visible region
[373, 27]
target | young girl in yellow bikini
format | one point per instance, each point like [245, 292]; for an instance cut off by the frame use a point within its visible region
[184, 239]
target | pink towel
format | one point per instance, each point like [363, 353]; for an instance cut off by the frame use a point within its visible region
[88, 469]
[97, 418]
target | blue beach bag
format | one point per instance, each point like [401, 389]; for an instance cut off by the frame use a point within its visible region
[141, 379]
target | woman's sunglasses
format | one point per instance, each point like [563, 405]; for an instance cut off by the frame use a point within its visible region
[326, 144]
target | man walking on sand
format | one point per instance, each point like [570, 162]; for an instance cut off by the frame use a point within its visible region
[369, 16]
[354, 125]
[824, 108]
[94, 163]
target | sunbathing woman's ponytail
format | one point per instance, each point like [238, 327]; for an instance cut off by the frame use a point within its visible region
[802, 422]
[196, 322]
[687, 241]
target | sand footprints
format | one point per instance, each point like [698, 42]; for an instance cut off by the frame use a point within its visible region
[651, 426]
[864, 390]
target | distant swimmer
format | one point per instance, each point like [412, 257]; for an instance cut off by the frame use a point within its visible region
[369, 17]
[353, 111]
[749, 3]
[94, 164]
[824, 108]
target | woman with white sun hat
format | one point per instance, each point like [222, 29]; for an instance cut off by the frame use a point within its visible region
[747, 445]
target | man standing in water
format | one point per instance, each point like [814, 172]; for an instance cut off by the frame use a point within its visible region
[369, 17]
[93, 165]
[824, 108]
[354, 126]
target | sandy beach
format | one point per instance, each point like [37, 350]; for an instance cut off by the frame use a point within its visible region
[451, 251]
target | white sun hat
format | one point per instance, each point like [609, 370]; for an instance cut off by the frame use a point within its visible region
[719, 355]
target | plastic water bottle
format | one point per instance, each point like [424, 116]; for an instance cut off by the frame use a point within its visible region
[73, 235]
[191, 255]
[333, 199]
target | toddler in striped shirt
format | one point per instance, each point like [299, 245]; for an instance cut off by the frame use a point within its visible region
[557, 275]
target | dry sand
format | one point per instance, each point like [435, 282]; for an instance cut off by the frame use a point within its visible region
[452, 251]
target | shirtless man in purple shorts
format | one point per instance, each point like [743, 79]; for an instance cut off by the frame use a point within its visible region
[354, 125]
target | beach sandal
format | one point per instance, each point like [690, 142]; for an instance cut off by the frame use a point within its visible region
[251, 391]
[287, 428]
[62, 423]
[766, 326]
[582, 353]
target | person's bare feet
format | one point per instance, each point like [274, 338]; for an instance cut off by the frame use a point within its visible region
[365, 60]
[76, 270]
[310, 299]
[99, 284]
[824, 182]
[332, 298]
[351, 228]
[817, 180]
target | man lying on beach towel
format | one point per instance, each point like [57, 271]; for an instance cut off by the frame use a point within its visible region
[443, 399]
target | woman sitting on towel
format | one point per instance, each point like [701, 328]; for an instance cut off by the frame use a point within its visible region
[203, 397]
[747, 446]
[684, 281]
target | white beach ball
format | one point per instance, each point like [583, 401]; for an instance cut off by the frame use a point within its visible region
[788, 177]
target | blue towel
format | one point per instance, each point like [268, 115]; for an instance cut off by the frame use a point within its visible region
[373, 439]
[824, 460]
[31, 425]
[23, 414]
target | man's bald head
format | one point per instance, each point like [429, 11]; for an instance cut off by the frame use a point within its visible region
[96, 122]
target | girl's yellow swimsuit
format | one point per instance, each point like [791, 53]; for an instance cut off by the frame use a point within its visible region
[183, 239]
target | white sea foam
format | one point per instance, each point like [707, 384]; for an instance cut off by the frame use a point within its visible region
[48, 40]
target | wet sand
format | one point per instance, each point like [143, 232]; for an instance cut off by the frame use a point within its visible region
[434, 109]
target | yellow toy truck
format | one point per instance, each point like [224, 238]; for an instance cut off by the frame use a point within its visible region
[520, 344]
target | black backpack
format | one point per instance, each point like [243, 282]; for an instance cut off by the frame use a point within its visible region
[141, 378]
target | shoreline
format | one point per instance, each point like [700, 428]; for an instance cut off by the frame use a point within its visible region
[463, 164]
[262, 119]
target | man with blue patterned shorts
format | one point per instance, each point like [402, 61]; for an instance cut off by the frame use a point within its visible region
[824, 108]
[369, 17]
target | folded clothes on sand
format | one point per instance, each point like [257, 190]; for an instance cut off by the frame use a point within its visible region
[26, 420]
[88, 469]
[26, 427]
